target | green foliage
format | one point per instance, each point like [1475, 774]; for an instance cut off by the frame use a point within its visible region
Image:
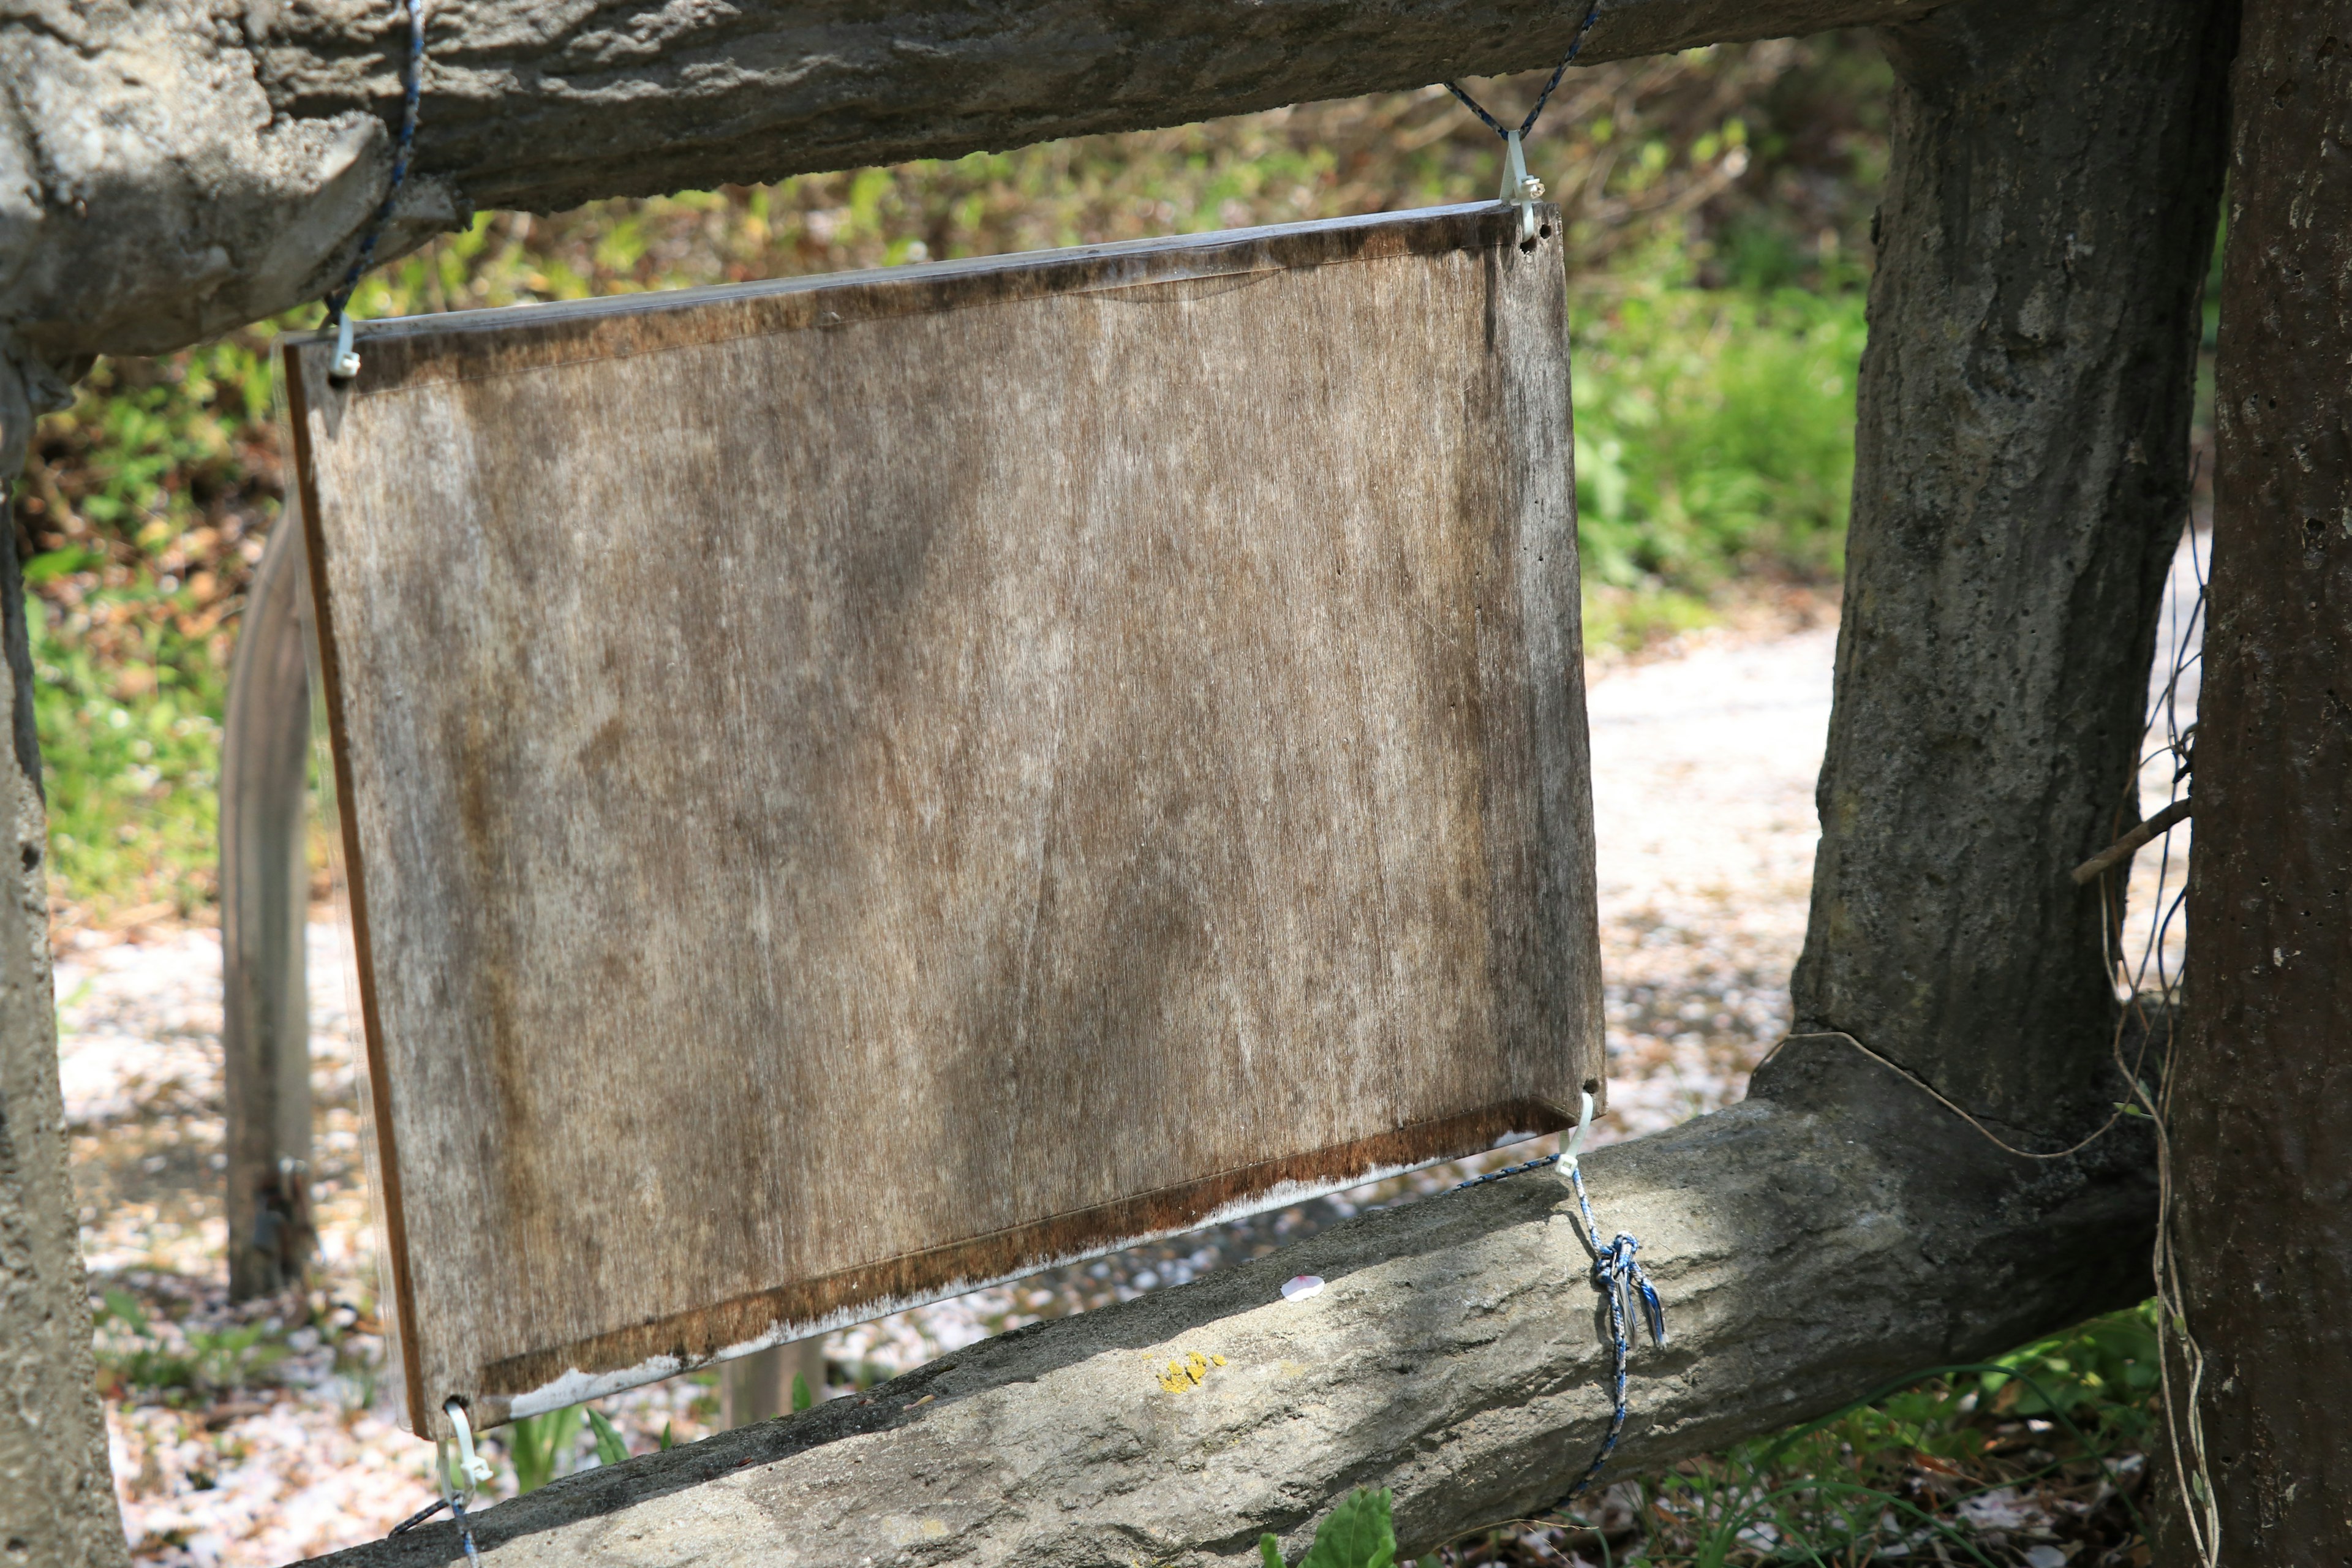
[1931, 1470]
[140, 1357]
[542, 1448]
[610, 1447]
[2103, 1376]
[1359, 1533]
[802, 1398]
[1715, 435]
[535, 1446]
[141, 509]
[130, 775]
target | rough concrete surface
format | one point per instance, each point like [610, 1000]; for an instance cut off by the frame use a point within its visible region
[57, 1509]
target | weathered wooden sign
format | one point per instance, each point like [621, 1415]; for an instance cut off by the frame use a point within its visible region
[856, 787]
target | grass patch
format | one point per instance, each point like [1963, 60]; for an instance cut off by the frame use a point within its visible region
[131, 775]
[142, 1357]
[1714, 444]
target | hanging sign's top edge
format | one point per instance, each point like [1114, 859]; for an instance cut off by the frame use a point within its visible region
[400, 353]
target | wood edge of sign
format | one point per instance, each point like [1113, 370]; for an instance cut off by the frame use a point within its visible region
[328, 667]
[406, 351]
[418, 350]
[666, 1346]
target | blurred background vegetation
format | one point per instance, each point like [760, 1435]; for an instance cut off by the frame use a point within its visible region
[1717, 204]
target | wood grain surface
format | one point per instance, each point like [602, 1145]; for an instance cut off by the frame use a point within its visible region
[856, 787]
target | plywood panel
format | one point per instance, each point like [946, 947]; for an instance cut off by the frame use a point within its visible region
[856, 787]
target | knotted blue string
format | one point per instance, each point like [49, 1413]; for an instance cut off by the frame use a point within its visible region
[1620, 1278]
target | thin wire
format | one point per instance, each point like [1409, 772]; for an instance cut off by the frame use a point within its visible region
[465, 1530]
[413, 86]
[1619, 1276]
[2184, 659]
[2184, 1417]
[1938, 1096]
[1592, 15]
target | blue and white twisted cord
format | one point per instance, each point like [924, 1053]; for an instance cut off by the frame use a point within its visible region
[1619, 1277]
[1615, 1273]
[1592, 15]
[346, 362]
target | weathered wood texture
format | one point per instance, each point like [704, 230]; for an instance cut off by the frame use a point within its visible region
[264, 894]
[2261, 1162]
[2022, 472]
[853, 788]
[1810, 1250]
[186, 171]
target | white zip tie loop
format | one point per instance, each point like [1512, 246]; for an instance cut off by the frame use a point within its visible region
[471, 1464]
[1523, 191]
[457, 1483]
[1575, 1145]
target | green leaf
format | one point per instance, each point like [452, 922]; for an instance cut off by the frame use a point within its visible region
[1359, 1533]
[1269, 1550]
[610, 1449]
[536, 1445]
[668, 1440]
[802, 1397]
[50, 565]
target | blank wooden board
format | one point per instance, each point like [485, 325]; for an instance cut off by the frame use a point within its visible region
[856, 787]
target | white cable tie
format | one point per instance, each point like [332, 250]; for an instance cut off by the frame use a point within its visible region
[470, 1465]
[347, 359]
[1575, 1145]
[1520, 189]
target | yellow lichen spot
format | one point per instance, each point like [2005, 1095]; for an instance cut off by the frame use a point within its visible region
[1189, 1372]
